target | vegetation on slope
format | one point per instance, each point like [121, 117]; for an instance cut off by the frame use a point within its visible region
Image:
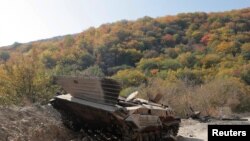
[195, 60]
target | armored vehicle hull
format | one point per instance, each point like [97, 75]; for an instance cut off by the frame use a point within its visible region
[93, 105]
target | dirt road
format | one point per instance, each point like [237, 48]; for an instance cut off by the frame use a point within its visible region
[39, 123]
[192, 130]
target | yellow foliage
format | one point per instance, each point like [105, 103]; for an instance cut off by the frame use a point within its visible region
[24, 79]
[130, 77]
[246, 47]
[224, 47]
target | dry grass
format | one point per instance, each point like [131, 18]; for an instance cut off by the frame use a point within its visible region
[215, 98]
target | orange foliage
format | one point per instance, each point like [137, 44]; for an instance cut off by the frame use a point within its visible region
[205, 39]
[154, 71]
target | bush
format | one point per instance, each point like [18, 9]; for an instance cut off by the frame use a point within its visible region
[4, 56]
[246, 77]
[127, 91]
[115, 69]
[94, 71]
[210, 60]
[218, 93]
[148, 64]
[229, 47]
[150, 54]
[85, 60]
[171, 52]
[209, 98]
[25, 81]
[170, 64]
[48, 61]
[197, 35]
[189, 77]
[130, 77]
[187, 59]
[246, 51]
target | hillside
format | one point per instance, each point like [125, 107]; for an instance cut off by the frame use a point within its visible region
[198, 60]
[41, 123]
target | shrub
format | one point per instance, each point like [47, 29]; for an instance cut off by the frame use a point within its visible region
[170, 64]
[130, 77]
[148, 64]
[4, 56]
[209, 98]
[197, 35]
[48, 61]
[189, 77]
[187, 59]
[94, 71]
[85, 60]
[125, 92]
[115, 69]
[25, 80]
[171, 52]
[246, 76]
[150, 54]
[210, 60]
[229, 47]
[246, 51]
[218, 93]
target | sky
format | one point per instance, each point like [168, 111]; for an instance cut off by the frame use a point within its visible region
[29, 20]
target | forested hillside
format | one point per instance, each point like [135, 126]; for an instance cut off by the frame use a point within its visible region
[198, 60]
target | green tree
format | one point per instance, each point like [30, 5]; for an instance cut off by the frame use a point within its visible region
[85, 60]
[229, 47]
[171, 52]
[170, 64]
[246, 76]
[95, 71]
[148, 64]
[4, 56]
[25, 80]
[246, 51]
[210, 60]
[48, 61]
[187, 59]
[130, 77]
[68, 41]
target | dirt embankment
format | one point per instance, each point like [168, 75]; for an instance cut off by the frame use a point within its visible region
[36, 123]
[40, 123]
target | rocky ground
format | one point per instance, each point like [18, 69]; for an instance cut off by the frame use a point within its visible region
[39, 123]
[192, 130]
[34, 123]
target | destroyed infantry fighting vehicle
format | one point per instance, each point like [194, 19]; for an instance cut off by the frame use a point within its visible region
[94, 105]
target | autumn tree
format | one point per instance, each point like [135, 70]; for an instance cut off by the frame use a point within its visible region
[210, 60]
[229, 47]
[246, 51]
[130, 77]
[187, 59]
[25, 80]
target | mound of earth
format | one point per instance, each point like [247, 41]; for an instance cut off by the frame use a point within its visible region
[40, 123]
[33, 123]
